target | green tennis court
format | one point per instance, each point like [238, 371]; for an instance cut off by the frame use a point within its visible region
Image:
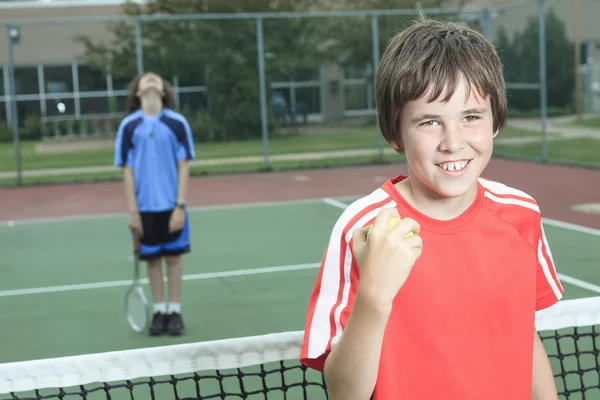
[250, 273]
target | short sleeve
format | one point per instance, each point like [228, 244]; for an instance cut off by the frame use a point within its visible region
[123, 146]
[185, 147]
[331, 299]
[548, 287]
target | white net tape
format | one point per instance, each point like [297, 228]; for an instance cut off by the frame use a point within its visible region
[149, 362]
[568, 314]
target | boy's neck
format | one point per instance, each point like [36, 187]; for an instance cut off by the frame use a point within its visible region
[151, 104]
[430, 203]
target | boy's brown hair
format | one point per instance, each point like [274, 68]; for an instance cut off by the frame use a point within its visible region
[434, 55]
[133, 103]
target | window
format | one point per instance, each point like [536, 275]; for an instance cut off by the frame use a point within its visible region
[26, 108]
[58, 78]
[26, 80]
[121, 83]
[91, 79]
[63, 106]
[94, 105]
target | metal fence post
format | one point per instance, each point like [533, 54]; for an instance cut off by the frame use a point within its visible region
[375, 45]
[486, 22]
[12, 36]
[139, 50]
[263, 90]
[543, 79]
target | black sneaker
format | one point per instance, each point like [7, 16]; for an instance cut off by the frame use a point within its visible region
[159, 324]
[175, 324]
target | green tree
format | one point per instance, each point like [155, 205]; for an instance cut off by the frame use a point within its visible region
[220, 53]
[521, 60]
[350, 38]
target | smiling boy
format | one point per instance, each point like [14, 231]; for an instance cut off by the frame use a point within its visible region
[449, 312]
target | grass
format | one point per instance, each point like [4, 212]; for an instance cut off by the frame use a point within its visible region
[300, 141]
[296, 142]
[583, 150]
[388, 157]
[593, 123]
[282, 144]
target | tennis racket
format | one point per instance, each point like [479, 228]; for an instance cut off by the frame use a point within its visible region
[136, 304]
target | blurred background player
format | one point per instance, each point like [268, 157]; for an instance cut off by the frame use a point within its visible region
[153, 145]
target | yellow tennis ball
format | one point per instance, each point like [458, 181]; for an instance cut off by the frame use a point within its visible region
[391, 224]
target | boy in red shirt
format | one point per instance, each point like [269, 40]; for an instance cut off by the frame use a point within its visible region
[449, 312]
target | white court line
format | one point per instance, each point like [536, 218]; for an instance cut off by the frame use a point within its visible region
[578, 282]
[193, 277]
[335, 203]
[218, 207]
[573, 227]
[565, 278]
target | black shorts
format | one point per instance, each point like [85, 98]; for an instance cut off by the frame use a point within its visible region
[157, 241]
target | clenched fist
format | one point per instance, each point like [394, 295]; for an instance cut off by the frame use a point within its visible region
[386, 257]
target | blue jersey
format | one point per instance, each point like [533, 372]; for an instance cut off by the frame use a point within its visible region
[153, 146]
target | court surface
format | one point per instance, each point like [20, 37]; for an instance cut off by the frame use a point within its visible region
[250, 272]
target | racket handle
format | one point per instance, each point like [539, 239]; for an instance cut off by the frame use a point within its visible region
[136, 242]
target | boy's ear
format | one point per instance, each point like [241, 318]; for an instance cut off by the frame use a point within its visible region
[496, 133]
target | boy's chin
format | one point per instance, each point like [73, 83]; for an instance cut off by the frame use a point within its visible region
[150, 90]
[457, 189]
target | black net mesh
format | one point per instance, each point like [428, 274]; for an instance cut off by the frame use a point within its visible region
[575, 358]
[278, 380]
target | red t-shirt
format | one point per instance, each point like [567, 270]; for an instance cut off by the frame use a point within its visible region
[462, 325]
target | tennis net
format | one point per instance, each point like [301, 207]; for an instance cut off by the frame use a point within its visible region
[267, 367]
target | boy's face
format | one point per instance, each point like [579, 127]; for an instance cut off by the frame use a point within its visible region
[149, 82]
[447, 145]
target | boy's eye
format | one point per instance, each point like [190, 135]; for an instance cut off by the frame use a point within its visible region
[429, 123]
[471, 118]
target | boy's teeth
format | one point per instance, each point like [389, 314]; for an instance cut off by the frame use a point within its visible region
[454, 166]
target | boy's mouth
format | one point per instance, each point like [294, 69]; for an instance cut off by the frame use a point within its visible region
[454, 166]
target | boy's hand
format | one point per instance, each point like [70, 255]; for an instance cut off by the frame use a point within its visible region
[177, 220]
[134, 222]
[386, 258]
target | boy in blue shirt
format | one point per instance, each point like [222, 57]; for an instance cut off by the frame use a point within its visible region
[153, 146]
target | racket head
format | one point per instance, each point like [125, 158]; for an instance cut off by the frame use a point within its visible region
[136, 309]
[136, 303]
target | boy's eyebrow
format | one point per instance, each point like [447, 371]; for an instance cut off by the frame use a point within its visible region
[480, 110]
[422, 117]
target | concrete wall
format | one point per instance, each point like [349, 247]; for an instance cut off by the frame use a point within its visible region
[53, 43]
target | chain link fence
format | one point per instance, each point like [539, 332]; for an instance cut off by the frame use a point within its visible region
[271, 90]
